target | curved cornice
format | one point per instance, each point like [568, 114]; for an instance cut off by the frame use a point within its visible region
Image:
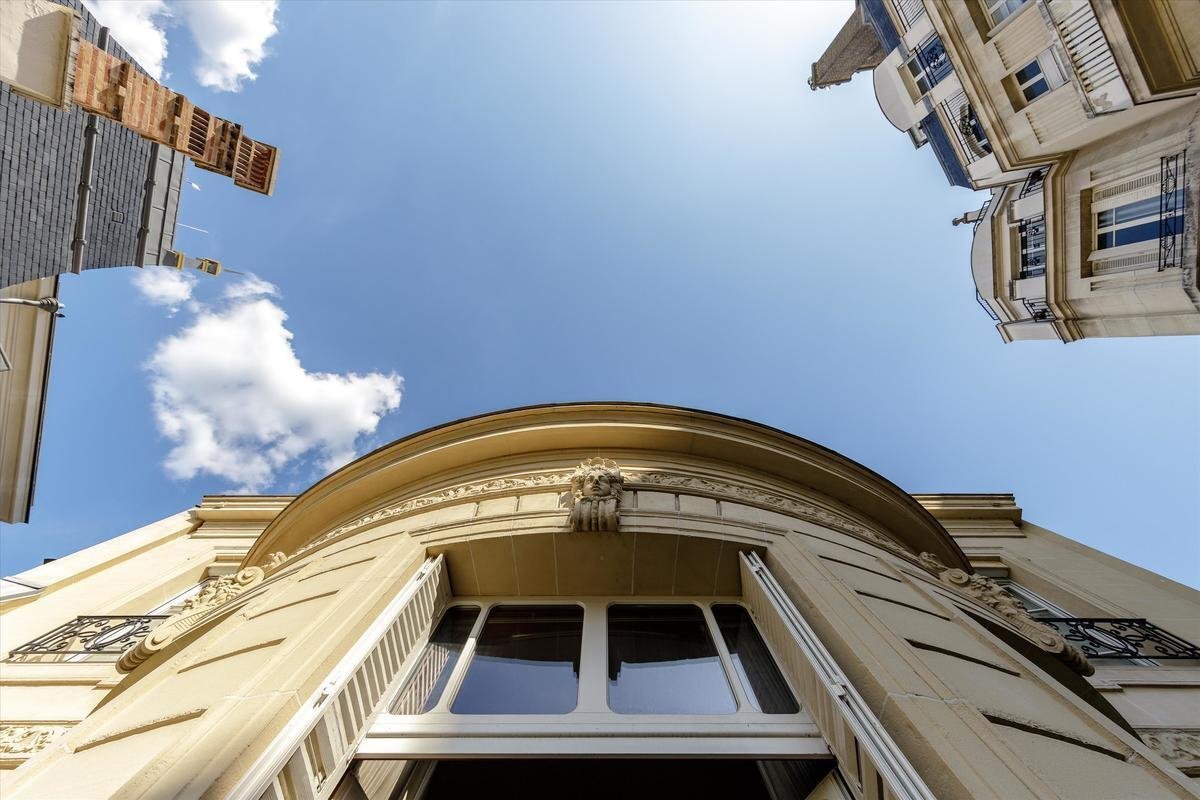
[568, 430]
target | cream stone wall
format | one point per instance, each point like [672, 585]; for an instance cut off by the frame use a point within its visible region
[1103, 121]
[977, 699]
[1161, 701]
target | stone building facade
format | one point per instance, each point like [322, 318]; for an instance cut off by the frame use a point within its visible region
[1079, 117]
[557, 594]
[135, 186]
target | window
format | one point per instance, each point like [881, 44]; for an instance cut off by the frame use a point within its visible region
[1032, 233]
[1033, 80]
[1000, 10]
[1037, 606]
[765, 686]
[497, 657]
[1137, 221]
[1041, 608]
[662, 660]
[424, 686]
[929, 65]
[526, 662]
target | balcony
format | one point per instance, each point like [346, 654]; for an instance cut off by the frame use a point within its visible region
[972, 140]
[1122, 638]
[99, 637]
[1092, 61]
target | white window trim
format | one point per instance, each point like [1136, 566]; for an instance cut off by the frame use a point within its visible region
[592, 728]
[988, 5]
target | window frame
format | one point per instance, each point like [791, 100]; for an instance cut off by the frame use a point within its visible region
[592, 727]
[1049, 72]
[990, 6]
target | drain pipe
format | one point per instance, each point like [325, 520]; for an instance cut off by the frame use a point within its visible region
[85, 179]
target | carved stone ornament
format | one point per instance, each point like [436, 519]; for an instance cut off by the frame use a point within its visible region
[987, 592]
[596, 488]
[198, 609]
[1179, 746]
[755, 496]
[27, 738]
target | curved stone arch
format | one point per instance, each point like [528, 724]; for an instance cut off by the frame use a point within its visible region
[470, 451]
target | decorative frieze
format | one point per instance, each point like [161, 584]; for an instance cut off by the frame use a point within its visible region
[198, 609]
[1179, 746]
[564, 481]
[596, 488]
[754, 496]
[23, 739]
[467, 491]
[988, 593]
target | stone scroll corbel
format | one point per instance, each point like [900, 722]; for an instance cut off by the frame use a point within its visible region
[987, 592]
[596, 488]
[197, 610]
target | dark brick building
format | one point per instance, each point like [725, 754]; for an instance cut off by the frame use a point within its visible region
[135, 186]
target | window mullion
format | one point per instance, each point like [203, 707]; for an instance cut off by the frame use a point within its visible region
[593, 658]
[464, 660]
[731, 674]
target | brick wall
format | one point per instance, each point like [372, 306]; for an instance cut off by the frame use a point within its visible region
[41, 150]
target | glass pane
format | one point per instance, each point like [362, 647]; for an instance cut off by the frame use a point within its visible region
[424, 687]
[1028, 72]
[1036, 89]
[1105, 218]
[1138, 209]
[761, 678]
[526, 662]
[662, 660]
[1136, 233]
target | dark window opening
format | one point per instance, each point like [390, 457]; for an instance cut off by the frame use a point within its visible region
[526, 662]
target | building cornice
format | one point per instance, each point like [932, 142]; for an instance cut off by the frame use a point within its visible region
[459, 453]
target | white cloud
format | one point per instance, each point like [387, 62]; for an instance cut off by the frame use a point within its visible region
[164, 286]
[231, 394]
[250, 286]
[231, 36]
[138, 26]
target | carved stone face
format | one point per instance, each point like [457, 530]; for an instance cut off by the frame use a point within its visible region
[596, 485]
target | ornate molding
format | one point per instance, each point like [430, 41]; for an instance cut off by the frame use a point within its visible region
[1179, 746]
[986, 592]
[748, 494]
[26, 738]
[562, 480]
[596, 488]
[197, 610]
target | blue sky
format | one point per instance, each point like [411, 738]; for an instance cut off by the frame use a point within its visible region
[510, 204]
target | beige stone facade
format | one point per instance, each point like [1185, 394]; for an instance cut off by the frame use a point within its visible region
[1080, 117]
[258, 646]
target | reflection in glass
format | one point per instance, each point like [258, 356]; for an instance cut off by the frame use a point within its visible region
[526, 662]
[662, 660]
[760, 677]
[424, 686]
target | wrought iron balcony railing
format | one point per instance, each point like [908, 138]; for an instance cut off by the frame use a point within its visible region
[984, 305]
[1172, 208]
[1038, 308]
[107, 636]
[1033, 183]
[972, 140]
[1122, 638]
